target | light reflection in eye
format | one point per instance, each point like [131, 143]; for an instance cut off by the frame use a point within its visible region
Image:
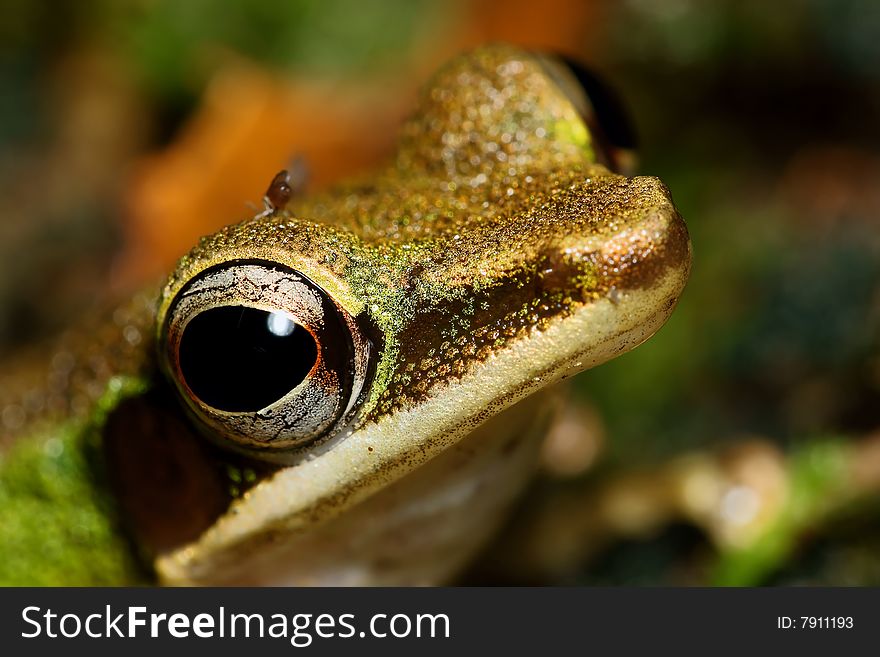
[280, 324]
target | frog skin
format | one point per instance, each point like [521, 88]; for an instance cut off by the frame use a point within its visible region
[493, 257]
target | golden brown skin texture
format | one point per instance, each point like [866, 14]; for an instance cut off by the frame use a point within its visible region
[489, 260]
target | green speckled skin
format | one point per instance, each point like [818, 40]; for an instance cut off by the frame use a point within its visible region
[490, 259]
[59, 525]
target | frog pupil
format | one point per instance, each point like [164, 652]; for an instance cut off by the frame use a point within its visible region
[240, 359]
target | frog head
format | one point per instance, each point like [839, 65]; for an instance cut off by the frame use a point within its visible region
[352, 336]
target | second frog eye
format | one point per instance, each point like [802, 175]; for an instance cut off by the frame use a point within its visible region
[601, 109]
[263, 357]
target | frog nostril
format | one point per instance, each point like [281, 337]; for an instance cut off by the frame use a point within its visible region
[241, 359]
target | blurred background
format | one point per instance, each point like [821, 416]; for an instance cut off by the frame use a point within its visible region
[130, 128]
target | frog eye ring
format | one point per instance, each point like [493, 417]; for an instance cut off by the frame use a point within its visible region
[264, 358]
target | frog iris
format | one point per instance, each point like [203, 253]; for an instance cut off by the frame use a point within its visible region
[263, 358]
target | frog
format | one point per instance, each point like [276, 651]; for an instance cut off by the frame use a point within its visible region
[350, 387]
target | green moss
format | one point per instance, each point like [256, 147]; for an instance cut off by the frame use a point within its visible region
[58, 524]
[817, 479]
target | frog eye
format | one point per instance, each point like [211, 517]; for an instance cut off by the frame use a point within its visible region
[264, 358]
[601, 109]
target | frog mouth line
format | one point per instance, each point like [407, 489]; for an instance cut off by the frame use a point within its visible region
[384, 452]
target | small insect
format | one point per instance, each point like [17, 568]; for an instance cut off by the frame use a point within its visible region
[284, 186]
[279, 192]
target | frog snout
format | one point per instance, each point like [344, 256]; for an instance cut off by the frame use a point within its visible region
[649, 248]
